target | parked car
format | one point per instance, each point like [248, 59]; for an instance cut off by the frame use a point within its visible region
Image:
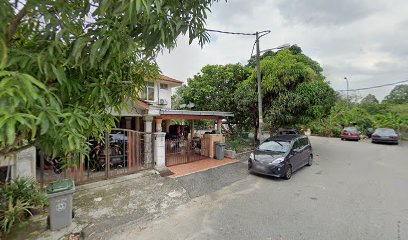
[283, 131]
[280, 156]
[118, 137]
[387, 135]
[350, 133]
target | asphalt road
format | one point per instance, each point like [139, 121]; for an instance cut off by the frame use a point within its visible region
[354, 190]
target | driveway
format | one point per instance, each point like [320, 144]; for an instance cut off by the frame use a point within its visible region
[354, 190]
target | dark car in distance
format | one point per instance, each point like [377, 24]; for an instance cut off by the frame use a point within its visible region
[280, 156]
[350, 133]
[385, 135]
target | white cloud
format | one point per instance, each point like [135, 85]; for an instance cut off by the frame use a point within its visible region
[363, 40]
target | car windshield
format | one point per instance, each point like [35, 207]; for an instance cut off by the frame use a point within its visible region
[350, 130]
[385, 131]
[274, 146]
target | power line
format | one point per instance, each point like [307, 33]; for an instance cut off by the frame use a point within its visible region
[235, 33]
[378, 86]
[261, 34]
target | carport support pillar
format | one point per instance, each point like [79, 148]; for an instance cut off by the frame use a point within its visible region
[219, 126]
[168, 123]
[137, 123]
[148, 158]
[160, 153]
[128, 122]
[192, 129]
[159, 125]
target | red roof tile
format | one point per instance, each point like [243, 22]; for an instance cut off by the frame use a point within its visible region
[169, 79]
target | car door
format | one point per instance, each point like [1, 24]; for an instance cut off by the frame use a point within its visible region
[305, 151]
[295, 155]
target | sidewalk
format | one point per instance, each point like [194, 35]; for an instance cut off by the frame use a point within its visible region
[104, 207]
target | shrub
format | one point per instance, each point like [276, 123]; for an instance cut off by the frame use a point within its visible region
[236, 143]
[13, 213]
[17, 199]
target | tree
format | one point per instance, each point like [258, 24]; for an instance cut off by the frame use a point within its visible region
[307, 102]
[371, 104]
[398, 95]
[65, 64]
[213, 89]
[369, 99]
[293, 88]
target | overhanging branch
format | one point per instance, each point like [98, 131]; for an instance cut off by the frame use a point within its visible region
[16, 21]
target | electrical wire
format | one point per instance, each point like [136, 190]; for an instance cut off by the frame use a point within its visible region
[238, 33]
[260, 34]
[378, 86]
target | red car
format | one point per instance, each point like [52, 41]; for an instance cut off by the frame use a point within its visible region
[351, 133]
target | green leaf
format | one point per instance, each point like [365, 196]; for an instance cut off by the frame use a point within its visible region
[3, 54]
[94, 51]
[35, 81]
[45, 124]
[11, 131]
[59, 73]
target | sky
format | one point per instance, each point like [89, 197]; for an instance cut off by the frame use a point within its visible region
[363, 40]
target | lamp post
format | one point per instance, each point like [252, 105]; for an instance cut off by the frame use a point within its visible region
[347, 91]
[258, 66]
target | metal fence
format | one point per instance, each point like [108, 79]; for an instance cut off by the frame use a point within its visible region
[121, 152]
[180, 151]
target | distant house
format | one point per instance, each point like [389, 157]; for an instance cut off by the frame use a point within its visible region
[148, 135]
[153, 113]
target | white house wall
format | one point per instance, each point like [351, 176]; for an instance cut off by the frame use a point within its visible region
[164, 94]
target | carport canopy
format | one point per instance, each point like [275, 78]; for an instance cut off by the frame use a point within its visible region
[193, 115]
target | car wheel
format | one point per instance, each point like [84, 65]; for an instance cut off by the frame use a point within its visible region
[342, 139]
[310, 160]
[288, 173]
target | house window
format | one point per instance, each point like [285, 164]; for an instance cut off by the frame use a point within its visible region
[164, 86]
[148, 93]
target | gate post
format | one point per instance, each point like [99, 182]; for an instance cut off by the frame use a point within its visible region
[148, 142]
[159, 151]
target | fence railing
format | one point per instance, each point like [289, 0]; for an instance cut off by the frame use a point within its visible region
[180, 151]
[121, 152]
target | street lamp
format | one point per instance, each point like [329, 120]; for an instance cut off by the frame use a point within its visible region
[347, 91]
[258, 66]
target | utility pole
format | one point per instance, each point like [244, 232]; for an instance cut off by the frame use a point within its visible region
[258, 66]
[348, 102]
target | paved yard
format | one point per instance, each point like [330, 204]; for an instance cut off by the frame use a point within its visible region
[353, 191]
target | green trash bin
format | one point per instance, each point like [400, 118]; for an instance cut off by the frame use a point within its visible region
[60, 204]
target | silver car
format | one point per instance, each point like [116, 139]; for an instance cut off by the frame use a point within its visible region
[385, 135]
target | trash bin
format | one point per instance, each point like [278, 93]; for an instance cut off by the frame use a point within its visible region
[219, 150]
[60, 204]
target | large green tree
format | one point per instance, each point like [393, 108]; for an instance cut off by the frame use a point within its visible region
[213, 89]
[371, 104]
[64, 64]
[398, 95]
[293, 88]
